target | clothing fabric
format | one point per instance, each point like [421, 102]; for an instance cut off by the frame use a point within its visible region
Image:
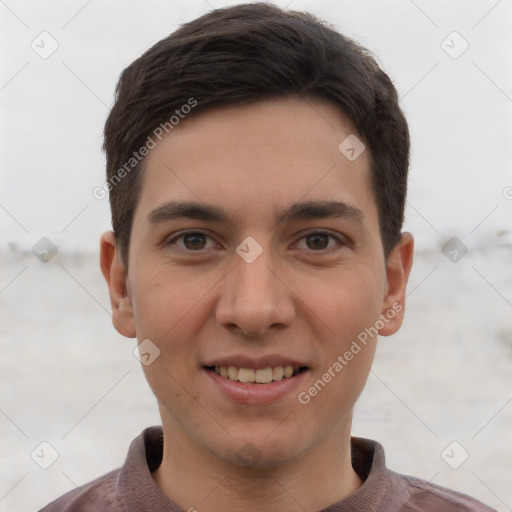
[131, 488]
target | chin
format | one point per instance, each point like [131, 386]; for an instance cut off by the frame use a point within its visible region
[261, 450]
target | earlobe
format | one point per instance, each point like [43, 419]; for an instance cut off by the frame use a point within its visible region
[115, 275]
[398, 270]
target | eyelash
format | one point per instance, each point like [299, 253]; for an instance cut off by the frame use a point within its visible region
[327, 250]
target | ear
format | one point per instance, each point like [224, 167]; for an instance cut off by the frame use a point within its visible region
[115, 274]
[398, 270]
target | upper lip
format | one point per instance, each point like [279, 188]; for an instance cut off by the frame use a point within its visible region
[254, 363]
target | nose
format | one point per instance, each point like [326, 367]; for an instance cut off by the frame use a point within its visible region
[254, 297]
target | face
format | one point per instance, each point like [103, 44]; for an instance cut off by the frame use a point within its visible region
[255, 253]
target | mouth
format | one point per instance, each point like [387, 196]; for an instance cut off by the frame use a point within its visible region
[262, 380]
[258, 375]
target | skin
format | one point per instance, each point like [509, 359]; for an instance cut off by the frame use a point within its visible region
[196, 299]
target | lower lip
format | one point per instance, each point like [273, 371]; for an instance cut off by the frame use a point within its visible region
[256, 394]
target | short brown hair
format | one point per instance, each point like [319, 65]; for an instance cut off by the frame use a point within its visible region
[248, 53]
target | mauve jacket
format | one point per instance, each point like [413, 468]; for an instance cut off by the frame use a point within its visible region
[131, 488]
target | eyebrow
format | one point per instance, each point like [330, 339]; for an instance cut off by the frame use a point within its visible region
[298, 211]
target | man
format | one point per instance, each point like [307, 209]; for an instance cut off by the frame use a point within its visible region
[257, 166]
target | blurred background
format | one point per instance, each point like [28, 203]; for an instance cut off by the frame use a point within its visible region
[439, 397]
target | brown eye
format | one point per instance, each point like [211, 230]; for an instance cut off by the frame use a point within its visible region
[317, 241]
[321, 242]
[194, 241]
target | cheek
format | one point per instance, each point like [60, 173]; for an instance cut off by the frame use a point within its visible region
[164, 300]
[169, 311]
[345, 311]
[345, 316]
[347, 304]
[166, 309]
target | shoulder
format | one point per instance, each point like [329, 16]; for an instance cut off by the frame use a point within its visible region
[128, 487]
[391, 491]
[427, 496]
[99, 494]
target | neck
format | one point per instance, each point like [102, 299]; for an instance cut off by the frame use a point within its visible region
[194, 478]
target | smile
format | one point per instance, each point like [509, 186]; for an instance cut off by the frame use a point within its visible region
[256, 376]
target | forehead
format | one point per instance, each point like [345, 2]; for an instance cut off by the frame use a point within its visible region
[260, 158]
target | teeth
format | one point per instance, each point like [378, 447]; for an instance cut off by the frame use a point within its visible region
[233, 372]
[288, 371]
[277, 373]
[263, 376]
[260, 376]
[246, 375]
